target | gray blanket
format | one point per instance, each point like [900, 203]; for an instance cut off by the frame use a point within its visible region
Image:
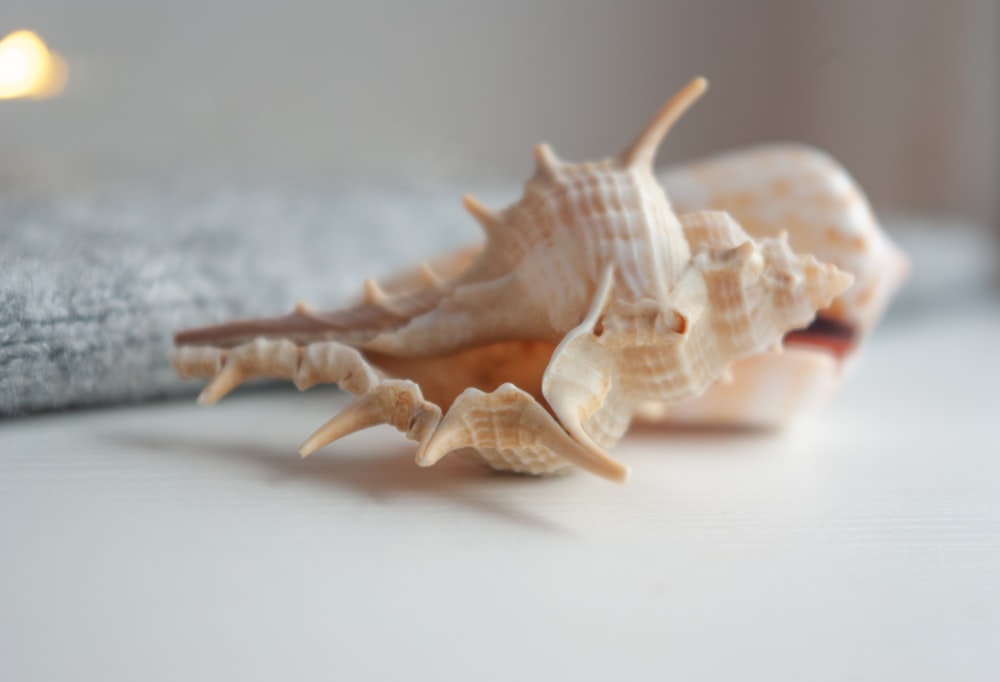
[93, 287]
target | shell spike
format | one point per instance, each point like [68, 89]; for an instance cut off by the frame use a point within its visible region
[547, 164]
[362, 413]
[374, 293]
[446, 438]
[231, 376]
[484, 215]
[642, 151]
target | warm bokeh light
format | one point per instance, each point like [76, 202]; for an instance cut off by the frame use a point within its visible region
[28, 69]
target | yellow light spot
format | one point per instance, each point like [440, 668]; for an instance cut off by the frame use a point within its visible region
[28, 69]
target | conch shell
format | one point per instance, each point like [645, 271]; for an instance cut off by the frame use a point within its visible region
[800, 190]
[590, 298]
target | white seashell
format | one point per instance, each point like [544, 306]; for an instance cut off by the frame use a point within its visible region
[589, 298]
[803, 192]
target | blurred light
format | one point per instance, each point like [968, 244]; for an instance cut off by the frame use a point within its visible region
[28, 69]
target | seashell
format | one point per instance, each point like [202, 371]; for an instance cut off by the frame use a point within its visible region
[804, 192]
[589, 298]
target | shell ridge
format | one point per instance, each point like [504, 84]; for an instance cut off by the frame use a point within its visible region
[581, 376]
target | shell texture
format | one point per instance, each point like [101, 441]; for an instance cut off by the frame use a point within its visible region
[590, 299]
[805, 193]
[796, 189]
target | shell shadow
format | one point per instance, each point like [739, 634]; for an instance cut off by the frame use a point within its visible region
[643, 429]
[387, 477]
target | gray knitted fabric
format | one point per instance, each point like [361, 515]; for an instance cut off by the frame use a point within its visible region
[92, 288]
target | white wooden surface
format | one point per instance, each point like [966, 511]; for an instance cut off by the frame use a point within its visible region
[170, 542]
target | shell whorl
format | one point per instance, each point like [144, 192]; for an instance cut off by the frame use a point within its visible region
[574, 219]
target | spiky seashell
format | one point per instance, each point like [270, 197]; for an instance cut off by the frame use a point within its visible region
[589, 298]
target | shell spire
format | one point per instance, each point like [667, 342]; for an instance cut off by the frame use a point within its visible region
[547, 164]
[484, 215]
[643, 149]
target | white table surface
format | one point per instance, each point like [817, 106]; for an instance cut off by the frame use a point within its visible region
[171, 542]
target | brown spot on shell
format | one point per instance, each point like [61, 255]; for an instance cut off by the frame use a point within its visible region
[781, 187]
[739, 199]
[865, 297]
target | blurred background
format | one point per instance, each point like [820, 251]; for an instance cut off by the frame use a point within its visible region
[906, 93]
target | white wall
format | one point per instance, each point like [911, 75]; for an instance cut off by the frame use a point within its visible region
[905, 92]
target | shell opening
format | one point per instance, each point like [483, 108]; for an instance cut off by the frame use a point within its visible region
[827, 334]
